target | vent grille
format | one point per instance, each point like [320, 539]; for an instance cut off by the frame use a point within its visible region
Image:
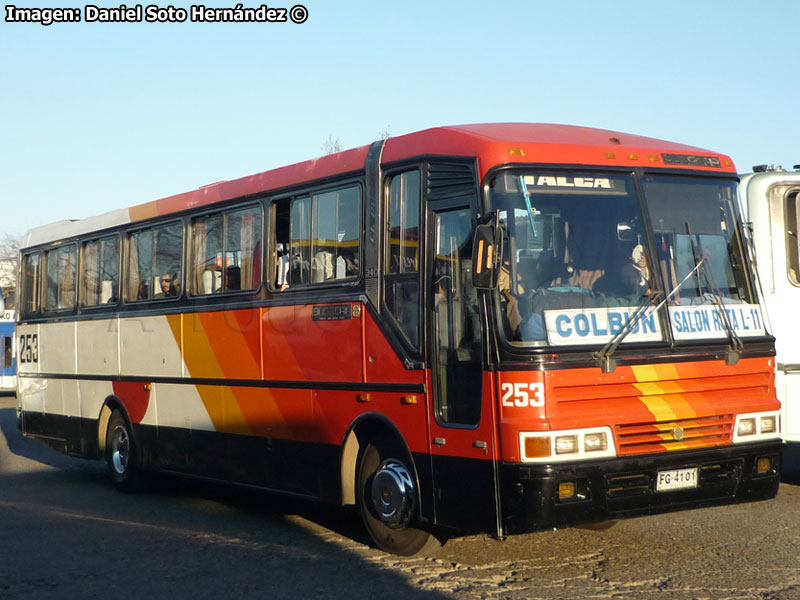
[678, 434]
[447, 179]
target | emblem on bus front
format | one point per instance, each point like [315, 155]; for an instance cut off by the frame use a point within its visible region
[677, 433]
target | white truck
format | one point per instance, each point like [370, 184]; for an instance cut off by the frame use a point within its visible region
[770, 200]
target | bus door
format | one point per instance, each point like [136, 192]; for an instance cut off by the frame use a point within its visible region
[462, 432]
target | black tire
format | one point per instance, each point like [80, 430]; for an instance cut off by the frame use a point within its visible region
[404, 541]
[121, 455]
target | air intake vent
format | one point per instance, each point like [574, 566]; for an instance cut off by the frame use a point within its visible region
[450, 179]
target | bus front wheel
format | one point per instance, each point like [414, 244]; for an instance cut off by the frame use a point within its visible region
[387, 499]
[121, 456]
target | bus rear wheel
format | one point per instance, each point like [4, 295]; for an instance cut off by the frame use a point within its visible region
[121, 454]
[387, 499]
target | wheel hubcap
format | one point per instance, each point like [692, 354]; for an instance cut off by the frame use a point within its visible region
[393, 494]
[120, 450]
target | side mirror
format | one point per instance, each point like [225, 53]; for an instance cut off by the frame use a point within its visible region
[486, 252]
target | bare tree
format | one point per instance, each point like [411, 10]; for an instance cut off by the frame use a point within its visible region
[384, 134]
[9, 251]
[331, 145]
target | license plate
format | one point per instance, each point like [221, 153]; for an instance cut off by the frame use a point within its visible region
[676, 479]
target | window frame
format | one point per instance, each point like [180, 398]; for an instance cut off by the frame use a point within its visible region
[24, 295]
[128, 234]
[415, 349]
[310, 194]
[189, 249]
[82, 270]
[44, 258]
[792, 236]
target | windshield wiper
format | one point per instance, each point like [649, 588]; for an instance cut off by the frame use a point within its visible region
[736, 347]
[606, 352]
[604, 355]
[526, 194]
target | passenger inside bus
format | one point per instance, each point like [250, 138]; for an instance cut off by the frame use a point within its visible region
[167, 283]
[233, 278]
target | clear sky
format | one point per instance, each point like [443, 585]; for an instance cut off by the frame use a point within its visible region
[98, 116]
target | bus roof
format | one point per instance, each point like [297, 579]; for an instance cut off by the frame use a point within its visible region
[492, 145]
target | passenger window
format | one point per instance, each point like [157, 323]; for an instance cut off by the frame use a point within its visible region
[226, 252]
[792, 225]
[317, 238]
[154, 263]
[8, 356]
[61, 264]
[100, 280]
[30, 284]
[401, 278]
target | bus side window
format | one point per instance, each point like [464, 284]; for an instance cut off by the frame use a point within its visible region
[336, 234]
[29, 300]
[317, 238]
[281, 257]
[100, 272]
[205, 264]
[8, 357]
[60, 274]
[154, 263]
[791, 216]
[401, 259]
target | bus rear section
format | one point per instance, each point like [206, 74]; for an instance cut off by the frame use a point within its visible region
[770, 200]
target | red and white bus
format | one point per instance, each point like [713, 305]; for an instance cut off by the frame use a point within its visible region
[497, 328]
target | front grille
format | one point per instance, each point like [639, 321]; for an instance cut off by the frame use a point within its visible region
[700, 432]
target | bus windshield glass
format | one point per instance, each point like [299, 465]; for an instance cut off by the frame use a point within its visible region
[695, 221]
[574, 249]
[578, 265]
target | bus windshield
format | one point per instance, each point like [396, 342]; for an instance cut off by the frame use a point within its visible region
[577, 262]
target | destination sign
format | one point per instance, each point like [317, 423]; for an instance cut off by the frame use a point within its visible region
[705, 321]
[598, 325]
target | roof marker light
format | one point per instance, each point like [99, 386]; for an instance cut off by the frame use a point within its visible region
[633, 156]
[652, 158]
[610, 155]
[516, 152]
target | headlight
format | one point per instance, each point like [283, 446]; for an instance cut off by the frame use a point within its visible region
[768, 424]
[566, 444]
[559, 446]
[746, 427]
[754, 427]
[595, 442]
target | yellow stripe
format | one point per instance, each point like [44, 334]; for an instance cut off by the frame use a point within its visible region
[644, 373]
[660, 408]
[198, 355]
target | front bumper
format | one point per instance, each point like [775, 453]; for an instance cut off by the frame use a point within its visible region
[626, 487]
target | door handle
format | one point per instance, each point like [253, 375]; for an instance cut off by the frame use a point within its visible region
[439, 441]
[482, 445]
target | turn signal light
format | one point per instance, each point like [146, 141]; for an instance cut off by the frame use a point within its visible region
[537, 447]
